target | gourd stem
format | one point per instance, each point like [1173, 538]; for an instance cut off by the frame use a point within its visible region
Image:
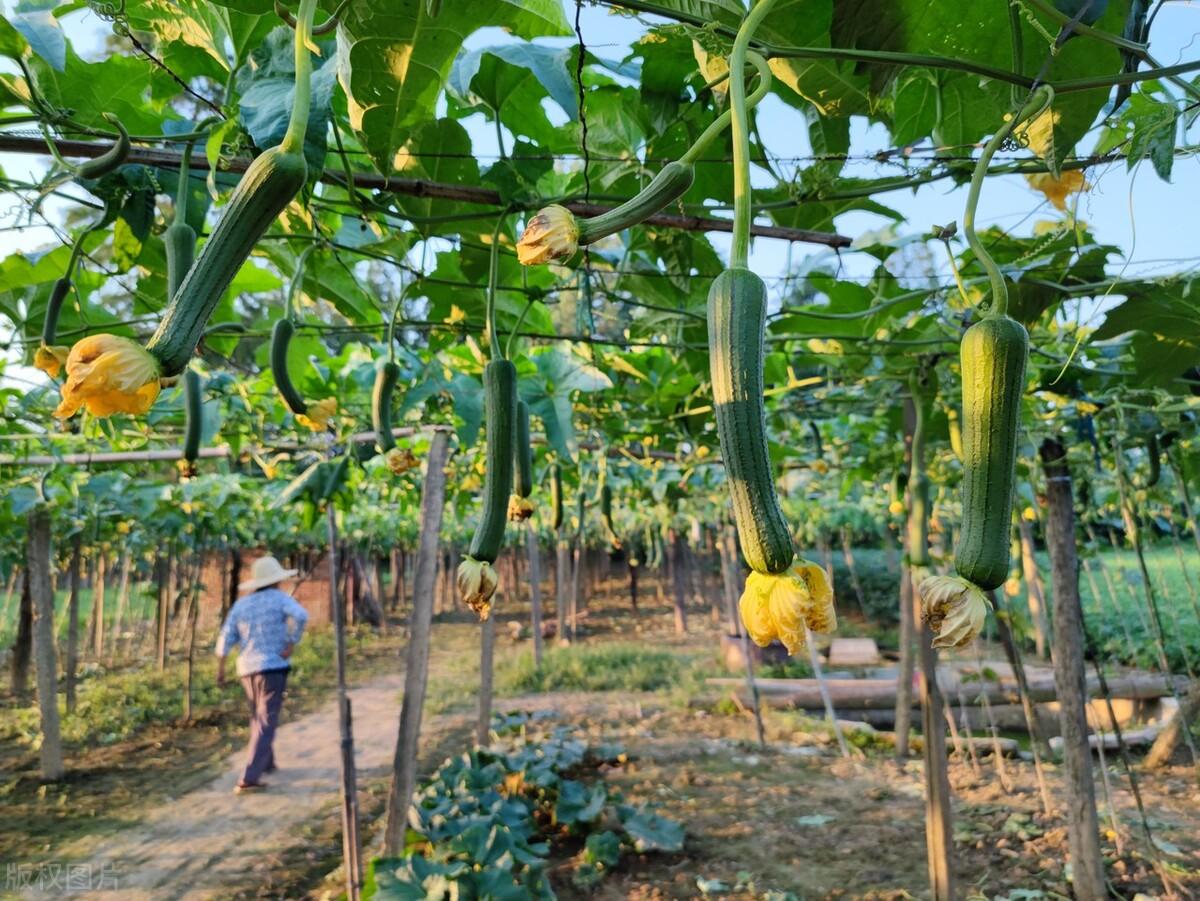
[1037, 103]
[719, 124]
[297, 280]
[740, 252]
[495, 347]
[183, 188]
[293, 141]
[517, 328]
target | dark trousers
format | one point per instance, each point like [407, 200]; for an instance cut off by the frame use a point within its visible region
[264, 691]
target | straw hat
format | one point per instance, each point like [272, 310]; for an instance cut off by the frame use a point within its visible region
[265, 572]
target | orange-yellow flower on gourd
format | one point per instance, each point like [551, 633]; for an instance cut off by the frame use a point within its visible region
[318, 415]
[954, 608]
[51, 358]
[550, 235]
[109, 374]
[400, 460]
[781, 606]
[477, 582]
[1058, 188]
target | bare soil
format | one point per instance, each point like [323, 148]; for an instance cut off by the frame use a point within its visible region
[794, 817]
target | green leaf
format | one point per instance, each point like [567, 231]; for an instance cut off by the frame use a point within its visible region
[12, 41]
[492, 74]
[394, 58]
[45, 37]
[268, 89]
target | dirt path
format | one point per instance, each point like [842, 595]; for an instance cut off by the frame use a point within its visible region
[211, 838]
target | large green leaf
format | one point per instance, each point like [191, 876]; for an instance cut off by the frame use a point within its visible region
[394, 59]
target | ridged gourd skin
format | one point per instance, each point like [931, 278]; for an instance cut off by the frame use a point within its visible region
[524, 446]
[556, 497]
[193, 398]
[737, 308]
[266, 188]
[281, 337]
[672, 182]
[500, 409]
[386, 375]
[993, 354]
[180, 243]
[58, 294]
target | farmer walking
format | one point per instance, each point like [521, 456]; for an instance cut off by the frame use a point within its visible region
[265, 623]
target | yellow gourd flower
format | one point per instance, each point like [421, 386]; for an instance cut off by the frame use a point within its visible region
[781, 606]
[400, 461]
[51, 358]
[318, 415]
[1057, 188]
[519, 508]
[896, 508]
[550, 235]
[954, 609]
[477, 582]
[109, 374]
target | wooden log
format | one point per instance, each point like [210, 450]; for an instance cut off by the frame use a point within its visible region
[416, 673]
[880, 694]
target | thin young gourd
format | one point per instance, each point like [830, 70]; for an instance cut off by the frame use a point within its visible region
[554, 233]
[281, 339]
[783, 598]
[270, 183]
[520, 508]
[180, 238]
[477, 578]
[193, 398]
[993, 357]
[111, 159]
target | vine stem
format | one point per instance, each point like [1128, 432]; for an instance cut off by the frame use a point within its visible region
[740, 251]
[293, 141]
[297, 281]
[719, 124]
[1038, 102]
[497, 350]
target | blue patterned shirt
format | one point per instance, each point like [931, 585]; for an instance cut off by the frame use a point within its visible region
[259, 624]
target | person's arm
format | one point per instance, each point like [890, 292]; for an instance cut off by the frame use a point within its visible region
[226, 641]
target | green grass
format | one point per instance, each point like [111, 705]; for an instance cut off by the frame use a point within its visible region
[113, 706]
[1122, 630]
[140, 607]
[607, 667]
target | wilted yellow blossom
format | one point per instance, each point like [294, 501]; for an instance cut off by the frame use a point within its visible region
[51, 358]
[318, 415]
[781, 606]
[519, 508]
[1058, 188]
[401, 460]
[550, 235]
[109, 374]
[954, 608]
[124, 528]
[477, 582]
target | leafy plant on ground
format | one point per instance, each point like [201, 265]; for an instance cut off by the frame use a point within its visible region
[486, 822]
